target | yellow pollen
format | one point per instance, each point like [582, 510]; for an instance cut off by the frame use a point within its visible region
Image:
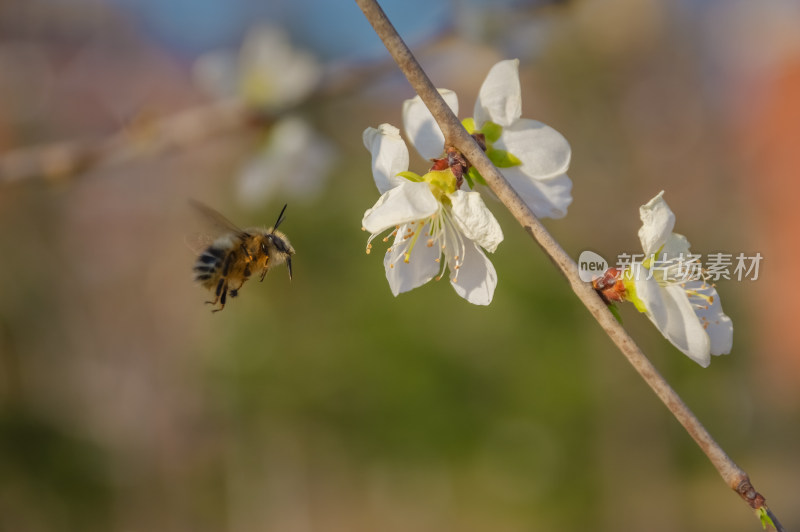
[430, 243]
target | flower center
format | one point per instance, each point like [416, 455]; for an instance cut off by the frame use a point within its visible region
[441, 183]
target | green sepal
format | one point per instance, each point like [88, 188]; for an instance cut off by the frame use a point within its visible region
[491, 131]
[502, 158]
[473, 176]
[630, 292]
[615, 311]
[765, 519]
[469, 125]
[411, 176]
[468, 179]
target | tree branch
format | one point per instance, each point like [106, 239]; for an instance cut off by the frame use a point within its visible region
[455, 135]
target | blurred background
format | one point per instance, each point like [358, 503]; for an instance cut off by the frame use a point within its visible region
[324, 403]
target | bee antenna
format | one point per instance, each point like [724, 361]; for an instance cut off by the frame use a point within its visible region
[281, 217]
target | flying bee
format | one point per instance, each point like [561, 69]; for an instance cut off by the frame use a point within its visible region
[230, 260]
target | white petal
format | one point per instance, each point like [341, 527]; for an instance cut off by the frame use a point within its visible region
[476, 278]
[421, 128]
[294, 158]
[547, 199]
[649, 292]
[389, 155]
[675, 246]
[719, 327]
[216, 73]
[544, 152]
[500, 96]
[405, 203]
[475, 221]
[421, 267]
[672, 313]
[273, 72]
[657, 224]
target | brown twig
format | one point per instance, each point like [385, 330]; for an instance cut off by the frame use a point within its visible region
[455, 135]
[148, 138]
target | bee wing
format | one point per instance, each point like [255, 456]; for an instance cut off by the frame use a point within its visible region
[198, 242]
[218, 222]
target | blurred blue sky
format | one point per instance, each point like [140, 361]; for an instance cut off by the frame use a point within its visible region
[329, 28]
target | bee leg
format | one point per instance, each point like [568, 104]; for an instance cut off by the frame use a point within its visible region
[264, 271]
[217, 292]
[222, 298]
[233, 292]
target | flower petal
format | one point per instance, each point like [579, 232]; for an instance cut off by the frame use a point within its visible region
[294, 158]
[405, 203]
[673, 314]
[476, 278]
[547, 199]
[500, 97]
[719, 327]
[421, 128]
[676, 246]
[273, 73]
[657, 224]
[421, 267]
[389, 155]
[475, 220]
[544, 152]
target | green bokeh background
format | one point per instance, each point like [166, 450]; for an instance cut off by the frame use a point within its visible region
[327, 404]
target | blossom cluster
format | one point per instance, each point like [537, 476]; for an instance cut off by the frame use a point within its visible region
[447, 213]
[441, 213]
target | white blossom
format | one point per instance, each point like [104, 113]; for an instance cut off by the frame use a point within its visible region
[429, 217]
[532, 156]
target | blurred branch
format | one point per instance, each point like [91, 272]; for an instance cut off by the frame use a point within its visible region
[150, 137]
[455, 135]
[65, 159]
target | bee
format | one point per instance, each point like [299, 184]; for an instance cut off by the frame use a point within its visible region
[230, 260]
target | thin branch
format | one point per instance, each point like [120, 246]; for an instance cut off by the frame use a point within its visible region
[65, 159]
[455, 135]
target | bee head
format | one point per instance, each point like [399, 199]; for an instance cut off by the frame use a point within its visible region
[284, 249]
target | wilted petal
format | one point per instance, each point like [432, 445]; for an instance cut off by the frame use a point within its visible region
[421, 128]
[476, 278]
[420, 268]
[657, 224]
[389, 155]
[547, 199]
[405, 203]
[718, 326]
[500, 96]
[475, 220]
[544, 152]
